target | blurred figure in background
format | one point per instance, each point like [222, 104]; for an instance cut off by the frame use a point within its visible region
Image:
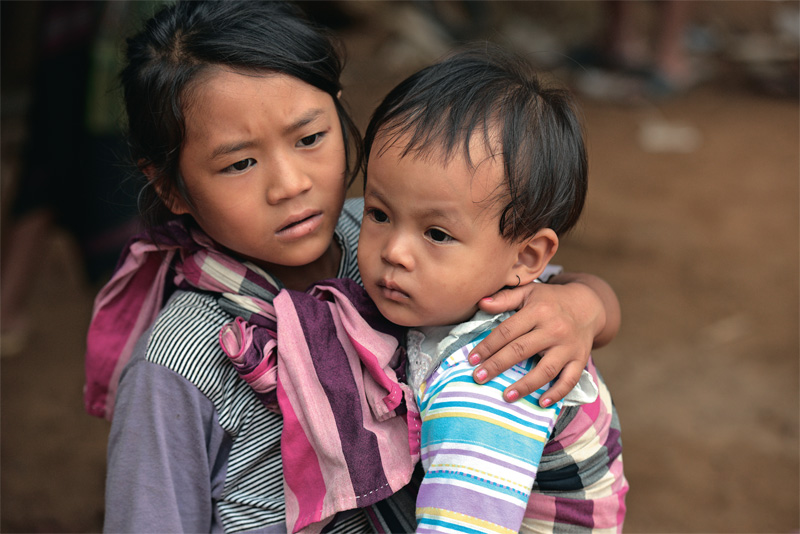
[625, 63]
[669, 68]
[70, 161]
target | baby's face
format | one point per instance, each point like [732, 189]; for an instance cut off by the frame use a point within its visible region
[430, 246]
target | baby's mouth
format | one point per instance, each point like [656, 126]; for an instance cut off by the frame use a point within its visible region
[392, 291]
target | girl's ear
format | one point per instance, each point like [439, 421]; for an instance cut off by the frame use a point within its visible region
[533, 255]
[174, 203]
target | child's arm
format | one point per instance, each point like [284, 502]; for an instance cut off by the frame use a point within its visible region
[563, 319]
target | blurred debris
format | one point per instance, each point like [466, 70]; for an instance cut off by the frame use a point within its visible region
[726, 330]
[662, 136]
[415, 39]
[541, 45]
[609, 86]
[463, 20]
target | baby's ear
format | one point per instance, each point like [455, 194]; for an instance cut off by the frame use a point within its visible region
[174, 203]
[533, 255]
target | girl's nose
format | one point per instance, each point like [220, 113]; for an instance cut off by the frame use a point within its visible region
[397, 253]
[287, 180]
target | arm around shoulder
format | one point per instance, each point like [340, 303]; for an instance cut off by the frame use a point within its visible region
[563, 320]
[600, 301]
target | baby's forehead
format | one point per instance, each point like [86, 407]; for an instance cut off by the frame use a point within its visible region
[476, 172]
[471, 148]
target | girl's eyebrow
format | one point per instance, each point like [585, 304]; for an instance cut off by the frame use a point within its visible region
[304, 120]
[308, 117]
[227, 148]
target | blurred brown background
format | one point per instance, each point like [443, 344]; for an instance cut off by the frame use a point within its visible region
[692, 217]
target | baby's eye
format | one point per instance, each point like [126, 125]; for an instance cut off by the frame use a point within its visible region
[438, 236]
[310, 140]
[377, 215]
[240, 166]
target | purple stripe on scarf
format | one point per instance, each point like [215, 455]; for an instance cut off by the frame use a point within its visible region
[333, 371]
[174, 233]
[264, 322]
[258, 280]
[254, 356]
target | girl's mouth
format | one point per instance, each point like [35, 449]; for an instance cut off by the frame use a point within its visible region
[300, 226]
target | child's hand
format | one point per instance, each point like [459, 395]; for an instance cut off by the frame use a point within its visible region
[562, 319]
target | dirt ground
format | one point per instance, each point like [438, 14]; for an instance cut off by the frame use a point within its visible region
[700, 240]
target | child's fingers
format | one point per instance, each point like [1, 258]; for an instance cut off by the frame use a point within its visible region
[513, 337]
[567, 380]
[510, 355]
[506, 299]
[558, 364]
[508, 344]
[544, 372]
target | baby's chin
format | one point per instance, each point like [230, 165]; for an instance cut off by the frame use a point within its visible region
[401, 319]
[399, 315]
[408, 319]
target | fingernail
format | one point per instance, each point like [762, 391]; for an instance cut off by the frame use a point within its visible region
[512, 395]
[474, 359]
[481, 375]
[544, 403]
[487, 299]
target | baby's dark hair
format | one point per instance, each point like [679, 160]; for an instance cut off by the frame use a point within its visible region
[187, 39]
[536, 129]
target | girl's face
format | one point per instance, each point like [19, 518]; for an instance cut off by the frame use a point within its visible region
[430, 247]
[263, 160]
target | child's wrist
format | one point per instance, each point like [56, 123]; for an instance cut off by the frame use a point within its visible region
[587, 306]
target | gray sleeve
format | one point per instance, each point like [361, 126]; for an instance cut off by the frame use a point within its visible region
[167, 454]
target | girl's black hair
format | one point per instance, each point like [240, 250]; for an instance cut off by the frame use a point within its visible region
[536, 129]
[184, 40]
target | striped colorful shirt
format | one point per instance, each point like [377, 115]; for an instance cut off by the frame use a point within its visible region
[481, 455]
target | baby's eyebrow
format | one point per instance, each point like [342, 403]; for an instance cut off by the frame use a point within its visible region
[436, 213]
[420, 213]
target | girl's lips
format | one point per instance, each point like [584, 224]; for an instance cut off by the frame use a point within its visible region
[299, 226]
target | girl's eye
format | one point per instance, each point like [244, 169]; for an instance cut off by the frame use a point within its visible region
[377, 215]
[438, 236]
[240, 166]
[310, 140]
